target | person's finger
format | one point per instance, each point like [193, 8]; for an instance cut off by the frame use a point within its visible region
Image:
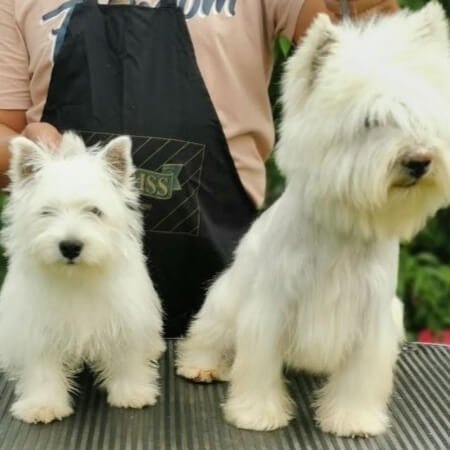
[377, 10]
[359, 8]
[43, 132]
[334, 7]
[354, 7]
[364, 7]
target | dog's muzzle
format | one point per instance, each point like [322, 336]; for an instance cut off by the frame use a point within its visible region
[70, 249]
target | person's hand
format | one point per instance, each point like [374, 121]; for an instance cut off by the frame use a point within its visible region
[359, 8]
[43, 132]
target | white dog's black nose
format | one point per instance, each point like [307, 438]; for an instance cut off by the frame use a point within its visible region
[70, 249]
[416, 166]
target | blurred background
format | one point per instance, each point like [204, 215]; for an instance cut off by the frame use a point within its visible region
[424, 275]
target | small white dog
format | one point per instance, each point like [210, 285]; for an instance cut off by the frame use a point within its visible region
[77, 288]
[365, 146]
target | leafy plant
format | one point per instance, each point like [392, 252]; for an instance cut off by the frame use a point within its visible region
[424, 286]
[416, 4]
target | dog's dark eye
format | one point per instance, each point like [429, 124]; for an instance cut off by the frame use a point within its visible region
[371, 122]
[45, 212]
[95, 211]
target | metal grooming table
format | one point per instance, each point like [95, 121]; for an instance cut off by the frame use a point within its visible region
[188, 416]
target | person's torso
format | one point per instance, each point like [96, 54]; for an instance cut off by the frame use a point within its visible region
[232, 42]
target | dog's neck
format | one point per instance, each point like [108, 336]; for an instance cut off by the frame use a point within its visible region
[323, 223]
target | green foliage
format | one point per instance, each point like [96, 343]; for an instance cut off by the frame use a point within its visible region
[424, 276]
[424, 270]
[416, 4]
[424, 286]
[412, 4]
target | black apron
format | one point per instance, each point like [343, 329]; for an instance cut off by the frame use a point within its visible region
[132, 70]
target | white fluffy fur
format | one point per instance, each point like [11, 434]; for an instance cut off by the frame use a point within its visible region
[101, 308]
[313, 282]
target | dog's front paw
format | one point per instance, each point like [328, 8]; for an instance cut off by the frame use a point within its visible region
[127, 395]
[258, 415]
[36, 411]
[201, 366]
[200, 375]
[353, 423]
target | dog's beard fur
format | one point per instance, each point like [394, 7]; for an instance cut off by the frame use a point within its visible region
[77, 287]
[365, 147]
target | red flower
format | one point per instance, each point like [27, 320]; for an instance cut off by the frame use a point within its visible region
[439, 337]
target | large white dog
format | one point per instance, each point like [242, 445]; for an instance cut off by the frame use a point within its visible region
[77, 288]
[365, 146]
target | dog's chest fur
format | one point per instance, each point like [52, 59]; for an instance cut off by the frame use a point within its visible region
[342, 289]
[79, 318]
[330, 289]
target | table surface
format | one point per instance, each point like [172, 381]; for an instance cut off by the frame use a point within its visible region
[188, 416]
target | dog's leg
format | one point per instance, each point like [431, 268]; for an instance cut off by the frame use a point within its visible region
[43, 393]
[258, 399]
[398, 316]
[157, 347]
[129, 377]
[207, 351]
[354, 400]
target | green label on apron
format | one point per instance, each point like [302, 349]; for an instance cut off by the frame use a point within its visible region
[160, 185]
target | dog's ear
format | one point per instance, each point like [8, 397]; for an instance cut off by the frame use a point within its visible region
[117, 156]
[431, 23]
[26, 159]
[304, 66]
[313, 49]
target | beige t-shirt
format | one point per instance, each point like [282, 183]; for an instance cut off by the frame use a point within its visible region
[233, 45]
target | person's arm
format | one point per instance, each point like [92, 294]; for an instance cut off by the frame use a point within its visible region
[359, 8]
[13, 123]
[14, 82]
[15, 97]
